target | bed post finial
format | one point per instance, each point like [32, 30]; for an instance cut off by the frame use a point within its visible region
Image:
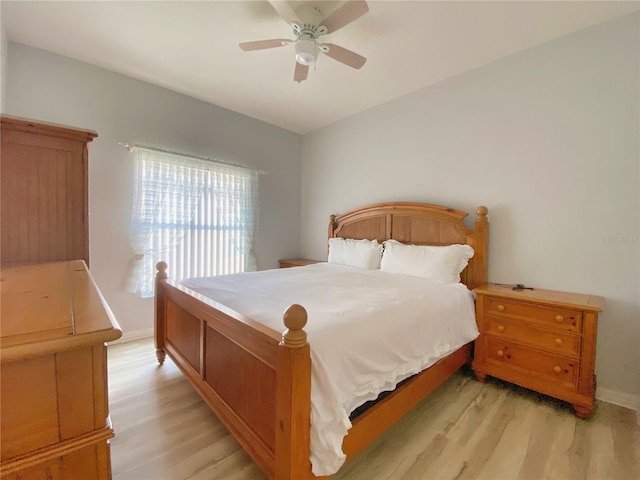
[481, 247]
[332, 225]
[295, 318]
[162, 271]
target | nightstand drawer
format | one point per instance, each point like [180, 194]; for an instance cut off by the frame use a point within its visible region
[554, 367]
[570, 320]
[560, 342]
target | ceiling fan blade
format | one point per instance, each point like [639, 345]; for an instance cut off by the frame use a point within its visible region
[345, 56]
[300, 72]
[262, 44]
[345, 14]
[285, 11]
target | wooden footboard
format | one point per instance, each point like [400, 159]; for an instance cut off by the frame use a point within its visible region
[256, 380]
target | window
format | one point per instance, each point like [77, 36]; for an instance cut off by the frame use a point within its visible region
[198, 216]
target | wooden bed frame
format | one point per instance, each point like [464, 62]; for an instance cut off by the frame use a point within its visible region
[258, 380]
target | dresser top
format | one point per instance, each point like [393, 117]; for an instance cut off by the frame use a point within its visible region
[51, 306]
[8, 122]
[551, 297]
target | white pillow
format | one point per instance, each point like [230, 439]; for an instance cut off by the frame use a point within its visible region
[437, 263]
[355, 253]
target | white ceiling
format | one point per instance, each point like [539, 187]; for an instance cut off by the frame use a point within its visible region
[192, 47]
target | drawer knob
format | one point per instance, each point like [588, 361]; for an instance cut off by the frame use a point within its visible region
[500, 353]
[501, 328]
[557, 369]
[559, 318]
[558, 341]
[501, 308]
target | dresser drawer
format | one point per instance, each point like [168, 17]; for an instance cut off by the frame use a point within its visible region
[570, 320]
[558, 341]
[555, 367]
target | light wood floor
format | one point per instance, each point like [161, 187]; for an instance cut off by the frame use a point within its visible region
[464, 430]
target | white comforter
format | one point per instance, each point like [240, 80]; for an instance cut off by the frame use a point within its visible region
[392, 326]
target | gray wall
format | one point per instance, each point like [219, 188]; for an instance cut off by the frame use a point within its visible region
[4, 47]
[548, 140]
[53, 88]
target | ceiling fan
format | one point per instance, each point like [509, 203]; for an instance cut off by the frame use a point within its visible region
[308, 25]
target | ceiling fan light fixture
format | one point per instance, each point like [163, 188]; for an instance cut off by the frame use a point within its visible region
[306, 51]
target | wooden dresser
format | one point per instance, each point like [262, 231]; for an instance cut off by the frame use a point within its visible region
[540, 339]
[53, 403]
[43, 192]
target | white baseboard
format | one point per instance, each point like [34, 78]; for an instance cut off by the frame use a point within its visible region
[134, 335]
[627, 400]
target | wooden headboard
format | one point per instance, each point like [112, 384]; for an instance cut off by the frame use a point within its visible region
[419, 224]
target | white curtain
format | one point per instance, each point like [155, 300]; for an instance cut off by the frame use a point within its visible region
[239, 206]
[194, 214]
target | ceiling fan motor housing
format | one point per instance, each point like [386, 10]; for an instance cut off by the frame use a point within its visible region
[307, 31]
[310, 17]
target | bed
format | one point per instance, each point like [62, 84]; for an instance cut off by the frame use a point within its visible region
[266, 403]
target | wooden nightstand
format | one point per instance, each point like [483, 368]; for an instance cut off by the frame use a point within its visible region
[540, 339]
[297, 262]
